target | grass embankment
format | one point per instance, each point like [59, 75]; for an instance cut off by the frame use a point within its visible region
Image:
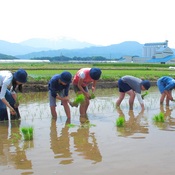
[110, 71]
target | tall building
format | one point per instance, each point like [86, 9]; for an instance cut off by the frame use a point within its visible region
[150, 49]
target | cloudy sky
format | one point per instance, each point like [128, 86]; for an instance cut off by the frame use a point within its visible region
[102, 22]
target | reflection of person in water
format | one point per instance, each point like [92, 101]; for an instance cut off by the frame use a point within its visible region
[170, 122]
[132, 125]
[60, 145]
[166, 111]
[85, 142]
[7, 157]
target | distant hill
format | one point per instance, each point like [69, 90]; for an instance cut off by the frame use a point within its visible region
[55, 44]
[37, 48]
[13, 49]
[38, 45]
[6, 57]
[112, 51]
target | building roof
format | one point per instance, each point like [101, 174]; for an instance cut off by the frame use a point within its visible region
[159, 60]
[158, 43]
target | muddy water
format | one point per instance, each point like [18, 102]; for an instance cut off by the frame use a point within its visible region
[98, 147]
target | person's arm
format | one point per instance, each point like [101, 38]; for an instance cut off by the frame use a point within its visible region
[2, 97]
[62, 98]
[139, 97]
[80, 82]
[12, 111]
[66, 97]
[94, 85]
[169, 86]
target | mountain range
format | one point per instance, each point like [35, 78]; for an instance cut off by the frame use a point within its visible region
[36, 48]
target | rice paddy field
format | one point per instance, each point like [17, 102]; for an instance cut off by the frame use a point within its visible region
[99, 144]
[42, 72]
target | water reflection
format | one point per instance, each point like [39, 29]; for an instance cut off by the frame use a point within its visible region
[133, 124]
[85, 142]
[12, 147]
[169, 124]
[59, 148]
[60, 144]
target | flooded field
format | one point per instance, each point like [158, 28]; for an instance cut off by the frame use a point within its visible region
[99, 147]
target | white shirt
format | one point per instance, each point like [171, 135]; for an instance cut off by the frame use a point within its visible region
[5, 82]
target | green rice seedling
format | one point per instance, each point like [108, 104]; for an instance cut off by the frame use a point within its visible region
[87, 124]
[159, 117]
[120, 121]
[30, 131]
[70, 125]
[27, 133]
[92, 96]
[143, 95]
[80, 98]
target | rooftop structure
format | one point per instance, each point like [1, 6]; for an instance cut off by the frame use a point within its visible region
[149, 49]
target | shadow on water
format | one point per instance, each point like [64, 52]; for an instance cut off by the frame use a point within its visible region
[93, 144]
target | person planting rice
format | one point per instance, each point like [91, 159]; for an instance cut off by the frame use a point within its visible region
[166, 84]
[59, 86]
[9, 83]
[132, 86]
[82, 79]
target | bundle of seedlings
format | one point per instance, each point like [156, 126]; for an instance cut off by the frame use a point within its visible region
[92, 96]
[120, 121]
[80, 98]
[27, 133]
[143, 95]
[159, 117]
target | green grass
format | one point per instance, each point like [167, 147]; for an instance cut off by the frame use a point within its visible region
[42, 72]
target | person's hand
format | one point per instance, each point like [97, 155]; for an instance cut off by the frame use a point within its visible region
[12, 111]
[65, 98]
[93, 89]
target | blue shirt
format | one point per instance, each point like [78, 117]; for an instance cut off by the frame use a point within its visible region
[167, 82]
[55, 86]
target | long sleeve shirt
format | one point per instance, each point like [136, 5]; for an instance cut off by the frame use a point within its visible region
[5, 82]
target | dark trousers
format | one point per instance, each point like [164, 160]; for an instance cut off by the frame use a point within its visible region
[3, 108]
